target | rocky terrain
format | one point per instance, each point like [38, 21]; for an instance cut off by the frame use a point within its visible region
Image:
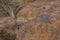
[38, 20]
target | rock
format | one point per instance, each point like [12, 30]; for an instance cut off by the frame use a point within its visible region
[6, 25]
[45, 24]
[7, 22]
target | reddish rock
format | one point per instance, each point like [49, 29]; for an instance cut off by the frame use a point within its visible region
[7, 22]
[45, 24]
[6, 25]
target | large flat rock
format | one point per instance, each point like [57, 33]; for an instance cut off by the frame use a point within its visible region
[42, 21]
